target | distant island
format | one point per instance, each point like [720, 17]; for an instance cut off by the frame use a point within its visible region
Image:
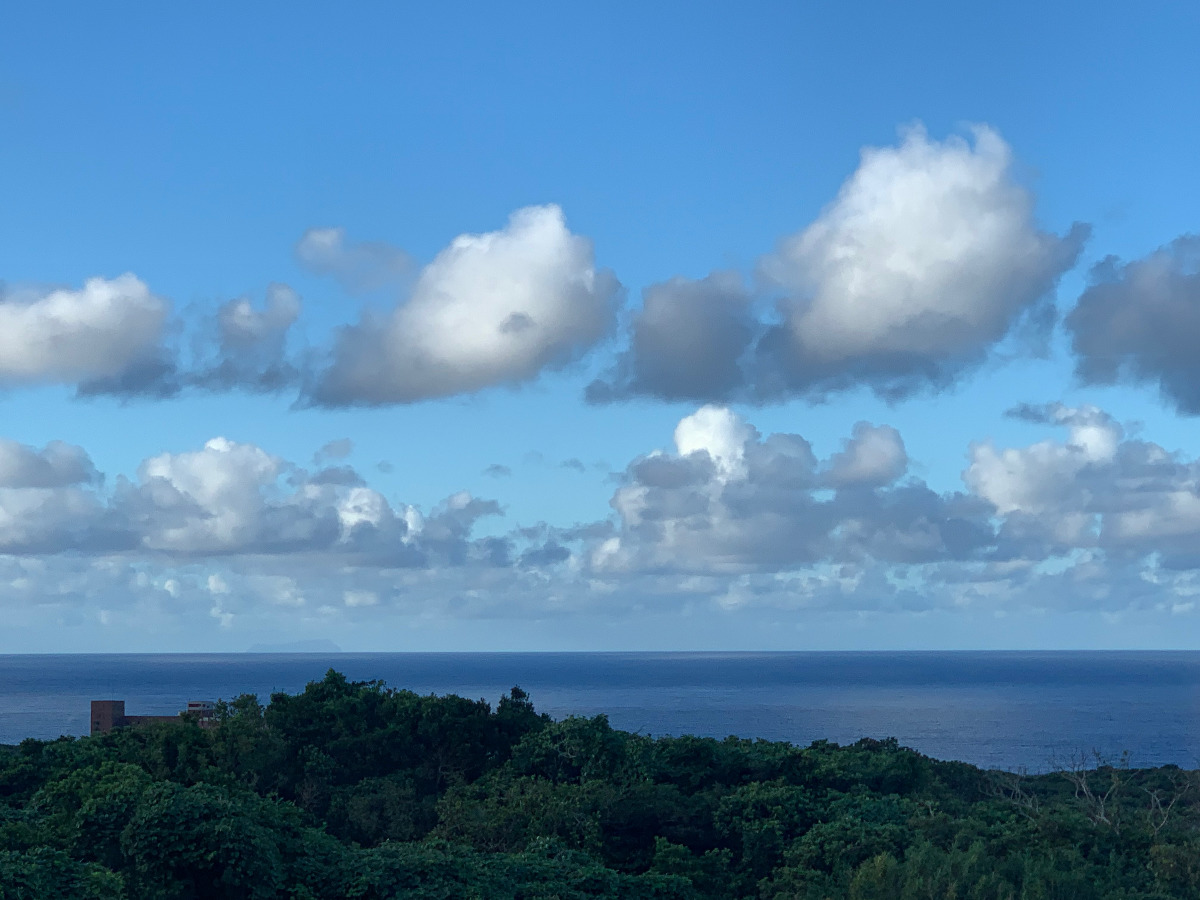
[319, 645]
[358, 790]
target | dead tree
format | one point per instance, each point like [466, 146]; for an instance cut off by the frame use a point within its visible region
[1013, 789]
[1098, 786]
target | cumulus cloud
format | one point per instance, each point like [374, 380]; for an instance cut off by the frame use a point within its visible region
[686, 343]
[928, 256]
[494, 308]
[446, 530]
[55, 465]
[1046, 492]
[100, 331]
[718, 433]
[227, 500]
[240, 346]
[50, 520]
[357, 267]
[729, 500]
[1092, 521]
[1140, 322]
[252, 344]
[51, 502]
[874, 455]
[241, 325]
[212, 501]
[236, 499]
[726, 519]
[1096, 489]
[490, 309]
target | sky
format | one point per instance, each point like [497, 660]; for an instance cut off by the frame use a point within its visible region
[599, 327]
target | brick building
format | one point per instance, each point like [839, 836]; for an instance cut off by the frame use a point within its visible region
[110, 714]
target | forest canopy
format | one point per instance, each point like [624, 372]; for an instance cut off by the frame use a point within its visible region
[358, 790]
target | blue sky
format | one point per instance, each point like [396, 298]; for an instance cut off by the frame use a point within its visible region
[544, 282]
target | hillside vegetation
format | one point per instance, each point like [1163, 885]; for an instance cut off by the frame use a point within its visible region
[357, 790]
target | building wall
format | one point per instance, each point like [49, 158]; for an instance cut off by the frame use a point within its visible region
[107, 715]
[110, 714]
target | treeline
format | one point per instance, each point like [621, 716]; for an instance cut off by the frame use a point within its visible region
[357, 790]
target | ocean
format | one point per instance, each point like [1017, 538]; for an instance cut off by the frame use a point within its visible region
[1011, 710]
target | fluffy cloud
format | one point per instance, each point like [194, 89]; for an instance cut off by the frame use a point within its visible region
[495, 308]
[1034, 479]
[1140, 322]
[227, 500]
[243, 326]
[50, 502]
[729, 500]
[55, 465]
[726, 519]
[102, 330]
[50, 520]
[1038, 488]
[239, 347]
[357, 267]
[217, 500]
[236, 499]
[252, 344]
[491, 309]
[874, 455]
[686, 343]
[1131, 499]
[719, 434]
[927, 258]
[1092, 521]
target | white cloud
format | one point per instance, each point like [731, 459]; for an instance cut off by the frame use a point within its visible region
[928, 255]
[731, 501]
[360, 598]
[49, 501]
[927, 258]
[232, 500]
[874, 455]
[1094, 521]
[685, 343]
[728, 520]
[362, 506]
[1140, 322]
[36, 520]
[65, 335]
[55, 465]
[491, 309]
[718, 432]
[358, 267]
[241, 325]
[239, 346]
[1037, 478]
[210, 500]
[1097, 488]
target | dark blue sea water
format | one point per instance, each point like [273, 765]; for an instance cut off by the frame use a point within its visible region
[998, 710]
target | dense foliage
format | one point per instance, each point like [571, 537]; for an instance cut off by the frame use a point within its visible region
[355, 790]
